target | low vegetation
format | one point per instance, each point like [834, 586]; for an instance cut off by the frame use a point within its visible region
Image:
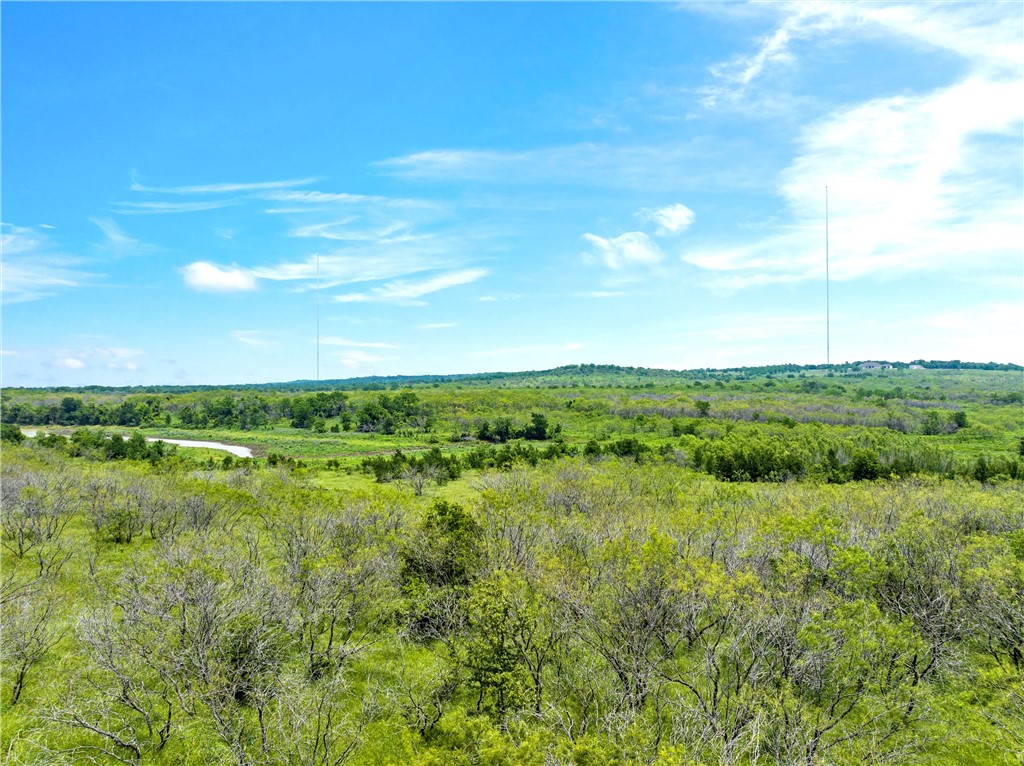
[592, 566]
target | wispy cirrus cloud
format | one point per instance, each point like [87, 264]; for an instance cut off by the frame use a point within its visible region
[368, 262]
[238, 193]
[917, 182]
[661, 166]
[223, 188]
[311, 197]
[986, 35]
[343, 231]
[160, 208]
[34, 266]
[409, 293]
[355, 218]
[356, 265]
[116, 242]
[907, 191]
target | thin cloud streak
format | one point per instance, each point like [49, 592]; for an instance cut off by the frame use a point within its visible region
[408, 293]
[159, 208]
[118, 243]
[643, 167]
[345, 267]
[223, 188]
[390, 234]
[34, 268]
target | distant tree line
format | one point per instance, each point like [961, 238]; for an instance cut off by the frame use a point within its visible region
[385, 413]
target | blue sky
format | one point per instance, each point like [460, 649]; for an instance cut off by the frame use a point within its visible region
[504, 187]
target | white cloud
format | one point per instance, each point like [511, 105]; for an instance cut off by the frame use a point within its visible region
[403, 292]
[396, 231]
[660, 166]
[985, 333]
[318, 198]
[923, 182]
[673, 219]
[109, 357]
[987, 35]
[736, 75]
[334, 341]
[982, 333]
[634, 248]
[223, 188]
[209, 277]
[253, 339]
[116, 242]
[910, 189]
[367, 264]
[34, 267]
[356, 359]
[156, 208]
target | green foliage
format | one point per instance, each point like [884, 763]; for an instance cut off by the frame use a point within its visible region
[11, 434]
[497, 622]
[801, 576]
[865, 465]
[437, 567]
[739, 459]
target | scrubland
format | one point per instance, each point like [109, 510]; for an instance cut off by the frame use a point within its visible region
[589, 566]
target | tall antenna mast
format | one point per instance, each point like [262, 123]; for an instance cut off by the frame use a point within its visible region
[318, 317]
[828, 333]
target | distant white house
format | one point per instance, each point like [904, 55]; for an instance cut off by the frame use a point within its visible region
[874, 366]
[916, 367]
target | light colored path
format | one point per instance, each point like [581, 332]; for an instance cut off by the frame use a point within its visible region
[232, 448]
